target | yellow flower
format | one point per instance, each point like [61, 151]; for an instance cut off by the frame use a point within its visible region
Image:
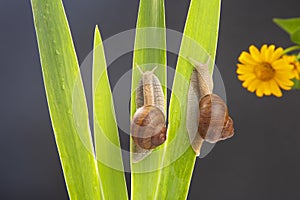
[293, 61]
[265, 71]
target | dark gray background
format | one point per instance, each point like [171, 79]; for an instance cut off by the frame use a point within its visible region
[262, 161]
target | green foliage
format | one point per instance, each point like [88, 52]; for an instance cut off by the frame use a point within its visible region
[87, 178]
[150, 33]
[297, 82]
[296, 85]
[66, 99]
[295, 37]
[201, 27]
[291, 26]
[107, 142]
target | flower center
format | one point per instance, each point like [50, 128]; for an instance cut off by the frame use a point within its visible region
[264, 71]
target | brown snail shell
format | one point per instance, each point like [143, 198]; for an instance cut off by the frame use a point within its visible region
[148, 127]
[214, 122]
[228, 130]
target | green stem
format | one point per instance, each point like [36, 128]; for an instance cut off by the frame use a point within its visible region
[290, 49]
[298, 57]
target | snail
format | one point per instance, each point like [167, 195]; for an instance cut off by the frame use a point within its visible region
[148, 124]
[207, 113]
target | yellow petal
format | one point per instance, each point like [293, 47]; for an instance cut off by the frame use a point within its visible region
[277, 54]
[244, 69]
[255, 53]
[297, 65]
[284, 81]
[247, 82]
[263, 51]
[244, 77]
[281, 64]
[246, 58]
[296, 74]
[289, 59]
[283, 85]
[275, 89]
[253, 85]
[284, 74]
[259, 91]
[267, 89]
[270, 52]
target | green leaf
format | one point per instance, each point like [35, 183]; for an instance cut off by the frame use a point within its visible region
[295, 36]
[107, 142]
[66, 99]
[288, 25]
[296, 84]
[201, 27]
[291, 26]
[149, 51]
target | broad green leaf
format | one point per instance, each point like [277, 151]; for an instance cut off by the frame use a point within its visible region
[288, 25]
[201, 27]
[291, 26]
[295, 36]
[149, 51]
[66, 99]
[108, 150]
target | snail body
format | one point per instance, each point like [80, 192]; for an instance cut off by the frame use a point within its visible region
[148, 124]
[207, 117]
[149, 91]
